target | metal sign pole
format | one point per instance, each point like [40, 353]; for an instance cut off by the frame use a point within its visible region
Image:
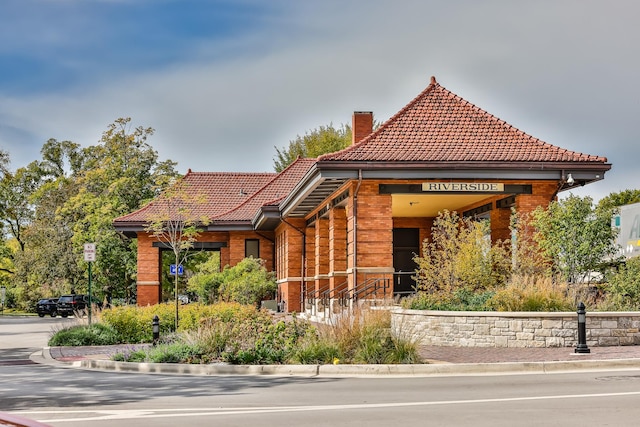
[89, 293]
[89, 256]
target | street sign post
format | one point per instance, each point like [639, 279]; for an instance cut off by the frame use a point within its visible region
[89, 257]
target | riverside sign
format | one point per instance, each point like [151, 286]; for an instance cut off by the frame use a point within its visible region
[463, 187]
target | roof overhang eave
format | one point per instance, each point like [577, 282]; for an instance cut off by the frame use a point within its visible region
[267, 218]
[589, 171]
[130, 229]
[333, 174]
[330, 178]
[235, 225]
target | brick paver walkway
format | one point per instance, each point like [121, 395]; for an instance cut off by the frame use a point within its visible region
[496, 355]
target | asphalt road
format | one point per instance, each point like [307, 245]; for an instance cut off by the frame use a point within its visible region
[63, 396]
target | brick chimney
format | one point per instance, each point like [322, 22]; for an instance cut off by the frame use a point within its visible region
[362, 125]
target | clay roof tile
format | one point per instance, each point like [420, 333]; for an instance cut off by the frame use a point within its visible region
[440, 126]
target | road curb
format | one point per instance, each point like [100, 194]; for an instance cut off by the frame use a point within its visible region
[440, 369]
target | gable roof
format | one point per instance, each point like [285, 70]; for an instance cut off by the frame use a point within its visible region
[440, 126]
[438, 135]
[269, 195]
[224, 197]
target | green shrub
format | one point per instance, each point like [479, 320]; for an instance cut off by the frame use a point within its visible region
[177, 352]
[460, 255]
[623, 292]
[205, 282]
[80, 335]
[532, 293]
[235, 334]
[261, 341]
[248, 282]
[362, 337]
[139, 355]
[134, 324]
[459, 300]
[315, 350]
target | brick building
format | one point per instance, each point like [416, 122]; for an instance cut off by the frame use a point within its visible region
[345, 225]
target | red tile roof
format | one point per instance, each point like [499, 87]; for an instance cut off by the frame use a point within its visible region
[272, 193]
[439, 126]
[435, 127]
[228, 195]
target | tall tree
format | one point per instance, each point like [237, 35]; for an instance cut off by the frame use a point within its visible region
[576, 236]
[116, 177]
[615, 200]
[176, 224]
[45, 263]
[324, 139]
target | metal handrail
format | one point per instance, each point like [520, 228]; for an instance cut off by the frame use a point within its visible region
[332, 293]
[364, 289]
[343, 294]
[311, 296]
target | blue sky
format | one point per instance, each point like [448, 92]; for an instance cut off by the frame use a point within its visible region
[224, 82]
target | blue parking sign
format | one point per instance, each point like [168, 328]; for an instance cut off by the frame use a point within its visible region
[172, 269]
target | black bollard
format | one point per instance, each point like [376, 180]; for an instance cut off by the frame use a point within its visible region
[156, 329]
[582, 330]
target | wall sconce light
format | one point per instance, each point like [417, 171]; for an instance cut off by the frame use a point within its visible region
[570, 179]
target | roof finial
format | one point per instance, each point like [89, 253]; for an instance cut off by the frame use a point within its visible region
[433, 80]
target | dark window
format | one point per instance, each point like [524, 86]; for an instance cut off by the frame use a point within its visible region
[252, 248]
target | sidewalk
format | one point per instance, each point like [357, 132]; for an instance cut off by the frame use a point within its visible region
[438, 361]
[510, 355]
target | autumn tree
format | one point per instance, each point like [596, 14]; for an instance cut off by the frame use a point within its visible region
[175, 223]
[460, 256]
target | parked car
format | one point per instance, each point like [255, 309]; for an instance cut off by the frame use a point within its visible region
[47, 306]
[75, 304]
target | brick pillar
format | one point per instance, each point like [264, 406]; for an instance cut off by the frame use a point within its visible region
[149, 288]
[337, 246]
[542, 194]
[500, 224]
[321, 249]
[293, 275]
[374, 234]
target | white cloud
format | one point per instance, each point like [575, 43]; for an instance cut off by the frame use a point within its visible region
[563, 71]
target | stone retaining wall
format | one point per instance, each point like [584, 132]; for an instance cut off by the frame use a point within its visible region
[516, 329]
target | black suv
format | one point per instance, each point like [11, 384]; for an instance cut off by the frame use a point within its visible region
[72, 304]
[47, 306]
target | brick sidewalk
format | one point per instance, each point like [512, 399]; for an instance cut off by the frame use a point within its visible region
[497, 355]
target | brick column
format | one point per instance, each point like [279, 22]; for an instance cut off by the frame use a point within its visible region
[500, 224]
[290, 286]
[374, 234]
[542, 194]
[149, 288]
[337, 246]
[321, 249]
